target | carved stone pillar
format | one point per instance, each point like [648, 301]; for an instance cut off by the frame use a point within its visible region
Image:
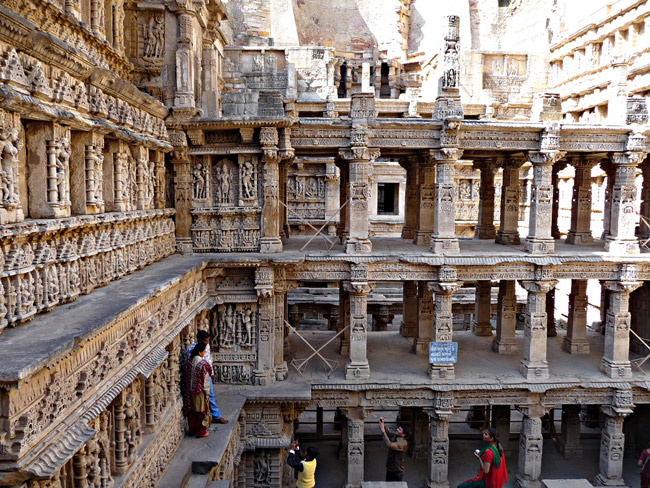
[540, 240]
[443, 320]
[534, 364]
[73, 8]
[182, 192]
[575, 341]
[120, 449]
[80, 463]
[359, 159]
[530, 447]
[551, 330]
[504, 341]
[426, 191]
[409, 309]
[332, 196]
[610, 170]
[280, 365]
[270, 241]
[438, 465]
[621, 238]
[424, 310]
[644, 227]
[264, 280]
[344, 318]
[381, 319]
[87, 179]
[48, 168]
[510, 193]
[412, 198]
[580, 231]
[444, 240]
[149, 405]
[97, 18]
[616, 357]
[209, 71]
[159, 179]
[185, 70]
[612, 441]
[555, 214]
[358, 367]
[485, 226]
[356, 446]
[569, 443]
[482, 313]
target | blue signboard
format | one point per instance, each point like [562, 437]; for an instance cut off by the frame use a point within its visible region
[443, 352]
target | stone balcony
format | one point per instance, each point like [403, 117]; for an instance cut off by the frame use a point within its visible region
[45, 263]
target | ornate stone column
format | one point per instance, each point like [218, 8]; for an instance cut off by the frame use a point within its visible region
[185, 69]
[610, 170]
[616, 357]
[530, 447]
[332, 196]
[540, 240]
[264, 281]
[359, 159]
[504, 341]
[120, 449]
[270, 241]
[438, 465]
[612, 443]
[97, 18]
[569, 443]
[575, 341]
[287, 157]
[621, 238]
[482, 313]
[510, 193]
[485, 227]
[358, 367]
[412, 198]
[555, 214]
[159, 187]
[182, 191]
[443, 319]
[424, 310]
[444, 240]
[644, 227]
[409, 309]
[580, 231]
[356, 444]
[534, 364]
[279, 364]
[426, 191]
[86, 180]
[344, 318]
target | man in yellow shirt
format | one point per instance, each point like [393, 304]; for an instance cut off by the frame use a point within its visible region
[305, 468]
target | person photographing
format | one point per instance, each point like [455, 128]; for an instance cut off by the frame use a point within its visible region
[397, 444]
[492, 471]
[305, 468]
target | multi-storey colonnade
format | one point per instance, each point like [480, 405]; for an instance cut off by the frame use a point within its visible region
[89, 391]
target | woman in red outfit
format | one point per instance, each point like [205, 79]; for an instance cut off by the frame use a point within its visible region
[492, 471]
[196, 389]
[644, 464]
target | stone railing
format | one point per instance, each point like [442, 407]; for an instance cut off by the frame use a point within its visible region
[44, 263]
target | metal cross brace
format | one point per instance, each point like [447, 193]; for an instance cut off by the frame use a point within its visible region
[318, 231]
[647, 224]
[301, 364]
[639, 362]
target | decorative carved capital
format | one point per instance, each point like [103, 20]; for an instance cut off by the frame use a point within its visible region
[622, 286]
[443, 288]
[358, 287]
[447, 273]
[359, 153]
[268, 136]
[535, 410]
[545, 158]
[270, 155]
[622, 404]
[538, 286]
[446, 154]
[177, 138]
[264, 282]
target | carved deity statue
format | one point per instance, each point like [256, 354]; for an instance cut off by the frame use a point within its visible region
[248, 182]
[199, 181]
[228, 338]
[10, 144]
[247, 322]
[154, 37]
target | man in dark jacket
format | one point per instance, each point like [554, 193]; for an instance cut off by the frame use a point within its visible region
[396, 442]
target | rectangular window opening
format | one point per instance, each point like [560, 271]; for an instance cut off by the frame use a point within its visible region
[387, 198]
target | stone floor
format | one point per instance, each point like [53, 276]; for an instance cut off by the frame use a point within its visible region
[391, 361]
[462, 465]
